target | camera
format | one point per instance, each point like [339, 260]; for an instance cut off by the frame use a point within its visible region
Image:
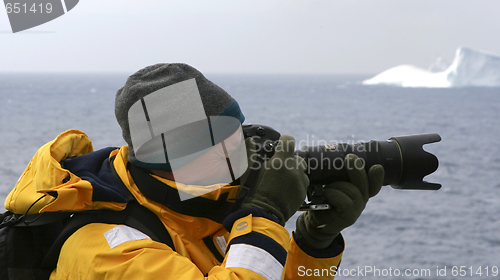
[404, 160]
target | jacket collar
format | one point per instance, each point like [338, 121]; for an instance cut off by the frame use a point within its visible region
[200, 217]
[166, 193]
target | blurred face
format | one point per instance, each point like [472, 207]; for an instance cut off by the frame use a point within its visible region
[212, 167]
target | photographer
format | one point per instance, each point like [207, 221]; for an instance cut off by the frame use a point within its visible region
[213, 234]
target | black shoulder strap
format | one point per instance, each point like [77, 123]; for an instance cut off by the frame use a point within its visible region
[250, 183]
[147, 222]
[135, 216]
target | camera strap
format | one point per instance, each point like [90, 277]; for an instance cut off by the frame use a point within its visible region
[249, 183]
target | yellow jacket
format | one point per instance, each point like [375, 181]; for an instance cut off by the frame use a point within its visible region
[254, 247]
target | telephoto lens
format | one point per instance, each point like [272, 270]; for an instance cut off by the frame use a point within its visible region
[404, 160]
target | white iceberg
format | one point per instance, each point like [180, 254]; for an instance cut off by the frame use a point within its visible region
[470, 68]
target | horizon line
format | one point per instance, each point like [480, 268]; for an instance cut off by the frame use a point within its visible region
[205, 73]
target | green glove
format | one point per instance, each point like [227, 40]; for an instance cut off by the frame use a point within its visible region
[281, 182]
[347, 199]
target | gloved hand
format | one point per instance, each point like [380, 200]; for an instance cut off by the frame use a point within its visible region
[281, 182]
[347, 200]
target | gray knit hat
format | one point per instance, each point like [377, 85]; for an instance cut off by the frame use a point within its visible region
[153, 79]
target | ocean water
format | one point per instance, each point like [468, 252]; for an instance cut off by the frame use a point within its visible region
[422, 231]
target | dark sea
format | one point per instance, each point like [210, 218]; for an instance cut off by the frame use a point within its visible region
[420, 234]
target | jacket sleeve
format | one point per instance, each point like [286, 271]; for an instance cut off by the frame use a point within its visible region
[304, 262]
[256, 250]
[258, 244]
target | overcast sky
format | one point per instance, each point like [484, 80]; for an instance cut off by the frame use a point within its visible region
[264, 36]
